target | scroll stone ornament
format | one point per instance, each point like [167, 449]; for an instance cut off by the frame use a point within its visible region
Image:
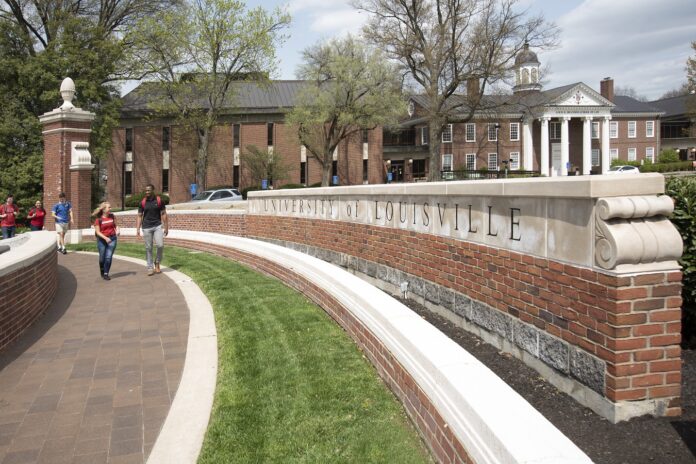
[635, 230]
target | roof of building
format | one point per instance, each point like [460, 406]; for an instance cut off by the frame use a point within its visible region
[526, 56]
[673, 106]
[247, 97]
[626, 104]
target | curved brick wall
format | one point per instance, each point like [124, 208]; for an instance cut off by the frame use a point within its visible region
[29, 280]
[616, 337]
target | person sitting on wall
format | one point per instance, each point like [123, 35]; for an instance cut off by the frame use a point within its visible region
[8, 216]
[36, 216]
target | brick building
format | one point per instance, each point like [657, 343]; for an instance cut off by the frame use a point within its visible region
[560, 131]
[566, 130]
[678, 124]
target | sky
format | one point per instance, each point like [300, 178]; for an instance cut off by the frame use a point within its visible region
[641, 44]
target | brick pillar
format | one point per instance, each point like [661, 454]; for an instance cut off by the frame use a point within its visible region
[67, 161]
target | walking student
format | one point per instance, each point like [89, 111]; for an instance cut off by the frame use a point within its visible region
[8, 216]
[36, 216]
[107, 233]
[62, 212]
[151, 215]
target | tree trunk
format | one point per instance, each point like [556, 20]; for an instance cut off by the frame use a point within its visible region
[326, 172]
[202, 161]
[435, 131]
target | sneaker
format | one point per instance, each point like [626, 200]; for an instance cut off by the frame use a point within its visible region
[150, 272]
[106, 277]
[64, 251]
[157, 268]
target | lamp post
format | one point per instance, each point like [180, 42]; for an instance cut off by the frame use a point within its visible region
[123, 183]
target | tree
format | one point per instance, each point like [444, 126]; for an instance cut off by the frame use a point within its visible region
[196, 53]
[443, 44]
[262, 164]
[627, 91]
[351, 88]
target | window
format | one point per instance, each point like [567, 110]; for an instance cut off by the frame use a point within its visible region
[334, 168]
[514, 160]
[595, 157]
[614, 153]
[614, 129]
[492, 161]
[470, 132]
[165, 180]
[650, 154]
[128, 183]
[364, 136]
[631, 154]
[165, 139]
[129, 139]
[447, 162]
[425, 136]
[418, 168]
[471, 161]
[514, 131]
[270, 134]
[555, 130]
[303, 171]
[595, 130]
[235, 176]
[631, 129]
[447, 133]
[235, 135]
[493, 132]
[650, 128]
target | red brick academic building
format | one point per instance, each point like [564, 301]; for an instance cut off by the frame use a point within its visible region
[567, 130]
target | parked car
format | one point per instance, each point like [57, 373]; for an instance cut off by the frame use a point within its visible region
[230, 194]
[623, 170]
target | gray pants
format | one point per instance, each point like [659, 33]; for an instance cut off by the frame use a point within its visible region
[149, 235]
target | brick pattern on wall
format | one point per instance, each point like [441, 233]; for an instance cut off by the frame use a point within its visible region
[27, 293]
[438, 436]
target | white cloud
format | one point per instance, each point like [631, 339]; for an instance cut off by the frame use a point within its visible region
[642, 44]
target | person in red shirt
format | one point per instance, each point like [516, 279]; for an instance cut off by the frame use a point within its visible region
[8, 215]
[36, 216]
[107, 233]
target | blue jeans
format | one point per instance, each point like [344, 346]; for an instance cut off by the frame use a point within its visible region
[8, 232]
[35, 228]
[106, 253]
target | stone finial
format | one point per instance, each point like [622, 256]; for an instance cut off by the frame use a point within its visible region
[67, 91]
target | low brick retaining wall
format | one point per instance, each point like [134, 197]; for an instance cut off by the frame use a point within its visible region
[608, 337]
[29, 280]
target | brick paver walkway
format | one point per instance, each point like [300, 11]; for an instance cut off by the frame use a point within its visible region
[93, 380]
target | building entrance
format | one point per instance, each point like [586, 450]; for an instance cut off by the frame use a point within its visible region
[397, 170]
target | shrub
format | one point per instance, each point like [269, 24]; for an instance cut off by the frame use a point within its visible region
[683, 192]
[292, 186]
[668, 156]
[247, 190]
[620, 162]
[668, 167]
[134, 200]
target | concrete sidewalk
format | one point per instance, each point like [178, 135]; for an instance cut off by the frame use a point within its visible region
[93, 380]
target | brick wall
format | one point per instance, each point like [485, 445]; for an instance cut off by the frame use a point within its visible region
[27, 293]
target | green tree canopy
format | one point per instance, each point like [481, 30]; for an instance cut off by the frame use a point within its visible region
[351, 87]
[197, 52]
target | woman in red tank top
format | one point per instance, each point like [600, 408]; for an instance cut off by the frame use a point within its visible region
[107, 232]
[36, 216]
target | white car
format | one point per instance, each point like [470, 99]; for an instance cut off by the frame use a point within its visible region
[623, 170]
[220, 195]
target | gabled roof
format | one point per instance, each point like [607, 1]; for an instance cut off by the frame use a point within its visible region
[246, 97]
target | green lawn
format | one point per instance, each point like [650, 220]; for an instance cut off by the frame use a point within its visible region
[292, 386]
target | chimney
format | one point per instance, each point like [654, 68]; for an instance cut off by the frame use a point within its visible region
[606, 88]
[472, 87]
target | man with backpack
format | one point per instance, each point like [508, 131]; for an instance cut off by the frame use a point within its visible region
[151, 215]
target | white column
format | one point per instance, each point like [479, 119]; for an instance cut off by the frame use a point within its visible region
[587, 145]
[527, 144]
[606, 159]
[565, 145]
[544, 167]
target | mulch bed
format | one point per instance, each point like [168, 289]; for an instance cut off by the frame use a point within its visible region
[641, 440]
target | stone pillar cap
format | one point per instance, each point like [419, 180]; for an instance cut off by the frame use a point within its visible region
[67, 91]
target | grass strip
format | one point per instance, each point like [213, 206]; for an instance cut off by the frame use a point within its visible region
[292, 386]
